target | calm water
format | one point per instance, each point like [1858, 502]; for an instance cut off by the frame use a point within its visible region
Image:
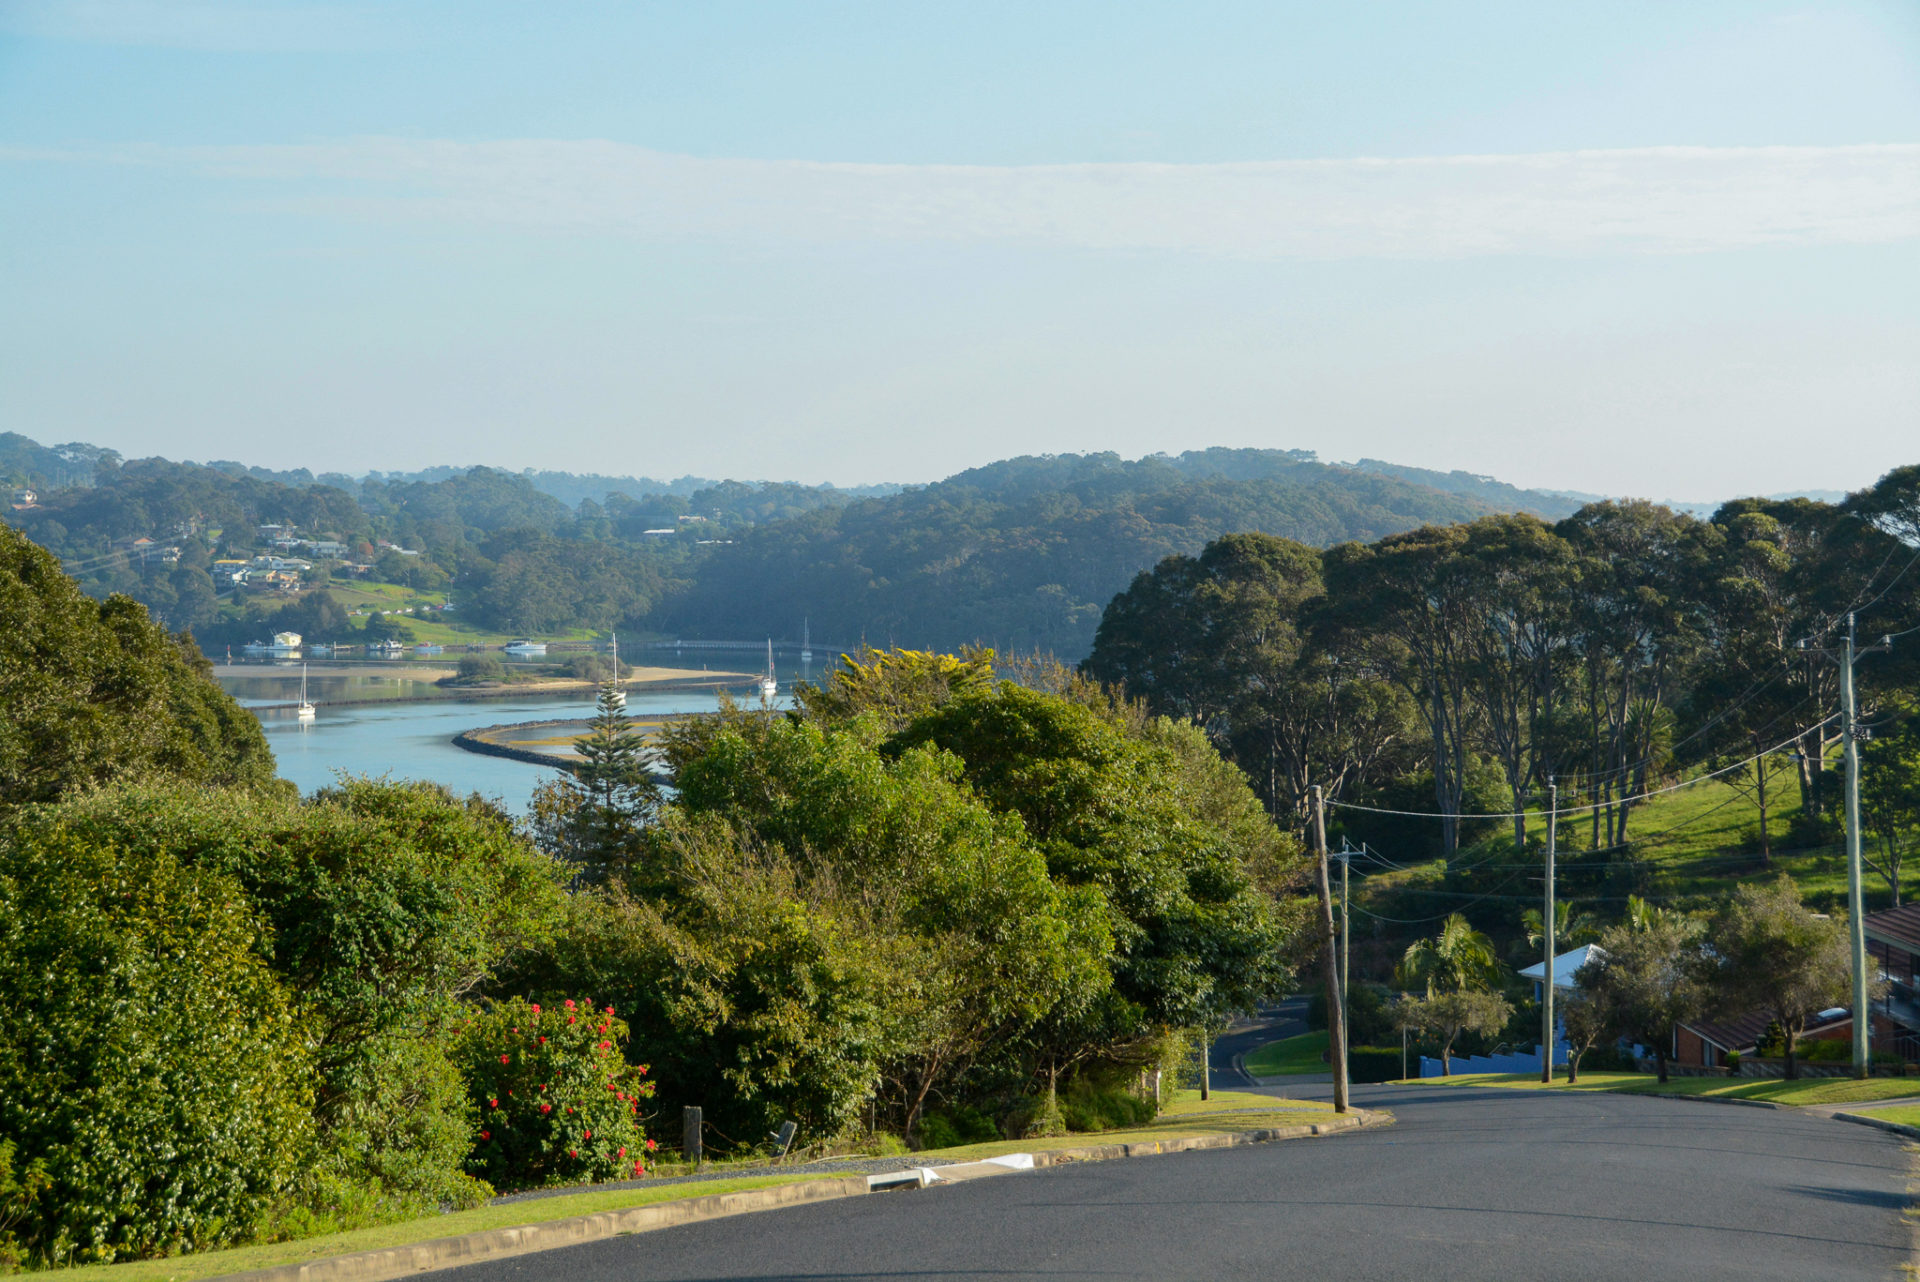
[415, 740]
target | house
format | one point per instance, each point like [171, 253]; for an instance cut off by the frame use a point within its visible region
[1564, 968]
[655, 534]
[286, 640]
[1704, 1043]
[1893, 940]
[25, 498]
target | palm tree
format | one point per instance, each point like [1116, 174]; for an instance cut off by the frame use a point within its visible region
[1459, 959]
[1570, 929]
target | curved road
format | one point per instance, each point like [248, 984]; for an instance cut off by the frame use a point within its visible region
[1486, 1183]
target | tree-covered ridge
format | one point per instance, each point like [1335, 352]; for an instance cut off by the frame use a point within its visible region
[1025, 553]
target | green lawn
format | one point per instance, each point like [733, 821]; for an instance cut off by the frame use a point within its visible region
[1303, 1054]
[186, 1268]
[1184, 1115]
[1813, 1090]
[1901, 1115]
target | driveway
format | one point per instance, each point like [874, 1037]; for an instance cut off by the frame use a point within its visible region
[1471, 1184]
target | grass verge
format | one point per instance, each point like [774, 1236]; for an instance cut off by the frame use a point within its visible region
[1185, 1115]
[210, 1264]
[1903, 1115]
[1303, 1054]
[1812, 1090]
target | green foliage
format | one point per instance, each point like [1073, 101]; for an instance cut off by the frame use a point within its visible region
[152, 1068]
[556, 1101]
[952, 1127]
[1458, 959]
[1369, 1016]
[1649, 978]
[385, 903]
[1087, 1107]
[1446, 1014]
[482, 667]
[595, 817]
[1774, 955]
[91, 691]
[755, 1004]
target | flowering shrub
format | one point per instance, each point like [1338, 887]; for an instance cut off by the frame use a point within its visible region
[557, 1101]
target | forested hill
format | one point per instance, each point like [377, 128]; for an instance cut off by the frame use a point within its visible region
[1024, 553]
[1019, 554]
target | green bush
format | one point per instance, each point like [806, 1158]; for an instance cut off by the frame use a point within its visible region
[386, 902]
[952, 1127]
[482, 667]
[1088, 1108]
[1378, 1063]
[150, 1062]
[557, 1103]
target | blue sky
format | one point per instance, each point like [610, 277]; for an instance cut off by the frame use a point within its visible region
[1657, 249]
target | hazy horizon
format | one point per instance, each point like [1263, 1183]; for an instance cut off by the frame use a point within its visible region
[1617, 249]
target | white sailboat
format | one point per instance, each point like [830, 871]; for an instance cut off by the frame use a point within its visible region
[618, 698]
[806, 641]
[305, 712]
[769, 687]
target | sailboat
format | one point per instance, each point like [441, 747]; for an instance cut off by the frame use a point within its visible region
[306, 709]
[768, 685]
[618, 697]
[806, 641]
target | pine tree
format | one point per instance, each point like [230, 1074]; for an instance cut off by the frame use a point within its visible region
[612, 796]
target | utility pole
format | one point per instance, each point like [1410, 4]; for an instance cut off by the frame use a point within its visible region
[1346, 935]
[1336, 1016]
[1547, 1027]
[1206, 1063]
[1852, 732]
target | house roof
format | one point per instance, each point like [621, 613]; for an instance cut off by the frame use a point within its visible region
[1900, 926]
[1743, 1032]
[1564, 965]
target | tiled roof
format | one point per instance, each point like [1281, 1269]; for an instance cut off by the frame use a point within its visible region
[1742, 1032]
[1900, 926]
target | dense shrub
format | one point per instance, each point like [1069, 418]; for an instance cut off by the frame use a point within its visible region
[386, 903]
[149, 1059]
[1090, 1108]
[482, 667]
[1368, 1019]
[951, 1127]
[557, 1102]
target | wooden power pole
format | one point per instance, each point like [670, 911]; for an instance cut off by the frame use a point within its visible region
[1330, 959]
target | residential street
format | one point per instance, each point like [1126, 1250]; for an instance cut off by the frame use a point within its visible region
[1470, 1184]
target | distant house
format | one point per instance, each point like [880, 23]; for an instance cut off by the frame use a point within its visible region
[1704, 1043]
[327, 548]
[286, 640]
[25, 498]
[655, 534]
[1564, 967]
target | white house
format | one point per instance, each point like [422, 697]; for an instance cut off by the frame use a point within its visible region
[1564, 967]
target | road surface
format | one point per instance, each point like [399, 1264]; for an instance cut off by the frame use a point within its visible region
[1471, 1184]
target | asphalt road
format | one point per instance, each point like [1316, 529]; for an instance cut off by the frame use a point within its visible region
[1488, 1183]
[1288, 1019]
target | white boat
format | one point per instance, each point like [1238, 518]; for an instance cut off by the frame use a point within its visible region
[769, 687]
[524, 646]
[806, 641]
[306, 709]
[617, 697]
[389, 646]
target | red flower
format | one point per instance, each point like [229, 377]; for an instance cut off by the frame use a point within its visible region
[493, 1102]
[546, 1108]
[543, 1041]
[569, 1019]
[536, 1008]
[651, 1146]
[504, 1059]
[605, 1046]
[573, 1153]
[638, 1169]
[569, 1108]
[589, 1134]
[643, 1068]
[609, 1010]
[621, 1153]
[603, 1028]
[543, 1086]
[486, 1135]
[569, 1003]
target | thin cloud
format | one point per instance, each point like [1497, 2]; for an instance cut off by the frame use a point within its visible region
[1652, 200]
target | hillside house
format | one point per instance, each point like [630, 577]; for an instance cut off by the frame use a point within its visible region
[1564, 968]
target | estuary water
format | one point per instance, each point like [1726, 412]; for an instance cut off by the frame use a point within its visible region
[406, 740]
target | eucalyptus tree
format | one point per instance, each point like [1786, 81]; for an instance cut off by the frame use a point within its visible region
[1777, 956]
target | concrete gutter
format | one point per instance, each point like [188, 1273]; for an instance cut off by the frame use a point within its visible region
[496, 1244]
[1878, 1123]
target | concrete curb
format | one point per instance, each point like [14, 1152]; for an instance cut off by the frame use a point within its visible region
[496, 1244]
[1878, 1123]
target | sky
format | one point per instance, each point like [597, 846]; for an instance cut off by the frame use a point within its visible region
[1626, 248]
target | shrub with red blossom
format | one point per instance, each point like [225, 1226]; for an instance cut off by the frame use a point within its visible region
[558, 1102]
